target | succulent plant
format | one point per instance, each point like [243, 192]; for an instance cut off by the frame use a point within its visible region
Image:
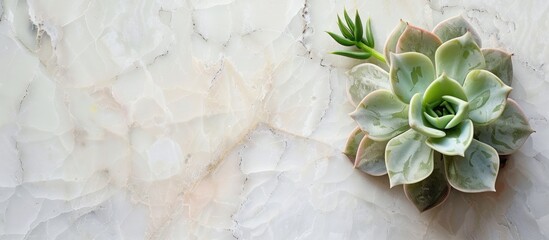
[354, 35]
[440, 117]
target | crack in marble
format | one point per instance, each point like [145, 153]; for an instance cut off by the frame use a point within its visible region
[195, 30]
[217, 73]
[21, 178]
[306, 22]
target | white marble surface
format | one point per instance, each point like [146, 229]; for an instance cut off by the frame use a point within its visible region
[223, 119]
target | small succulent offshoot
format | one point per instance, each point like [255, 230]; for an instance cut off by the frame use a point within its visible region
[440, 118]
[355, 34]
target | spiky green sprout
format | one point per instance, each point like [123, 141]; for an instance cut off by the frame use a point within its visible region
[355, 34]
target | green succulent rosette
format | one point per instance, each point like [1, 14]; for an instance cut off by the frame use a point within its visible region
[440, 118]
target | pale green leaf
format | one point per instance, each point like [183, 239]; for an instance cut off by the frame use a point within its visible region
[369, 34]
[381, 115]
[431, 191]
[507, 133]
[410, 73]
[487, 96]
[392, 40]
[456, 141]
[476, 171]
[460, 111]
[416, 119]
[370, 157]
[364, 79]
[457, 57]
[455, 27]
[499, 63]
[439, 122]
[353, 142]
[415, 39]
[442, 86]
[408, 159]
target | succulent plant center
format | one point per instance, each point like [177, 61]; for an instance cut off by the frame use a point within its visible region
[441, 109]
[440, 113]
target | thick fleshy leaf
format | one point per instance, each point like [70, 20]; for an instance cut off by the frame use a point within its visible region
[350, 23]
[416, 119]
[370, 157]
[392, 40]
[352, 54]
[499, 63]
[432, 191]
[344, 29]
[455, 27]
[381, 115]
[442, 86]
[457, 57]
[410, 73]
[415, 39]
[353, 142]
[369, 34]
[408, 159]
[456, 141]
[476, 171]
[439, 122]
[507, 133]
[364, 79]
[487, 96]
[359, 31]
[341, 40]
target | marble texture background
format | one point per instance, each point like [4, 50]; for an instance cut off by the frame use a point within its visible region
[225, 119]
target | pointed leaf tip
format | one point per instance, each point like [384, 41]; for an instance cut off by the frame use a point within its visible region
[412, 35]
[476, 171]
[351, 147]
[359, 31]
[410, 73]
[341, 40]
[381, 115]
[369, 34]
[391, 43]
[487, 96]
[370, 157]
[456, 141]
[343, 29]
[508, 132]
[499, 63]
[455, 27]
[364, 79]
[408, 159]
[431, 191]
[443, 86]
[350, 23]
[457, 57]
